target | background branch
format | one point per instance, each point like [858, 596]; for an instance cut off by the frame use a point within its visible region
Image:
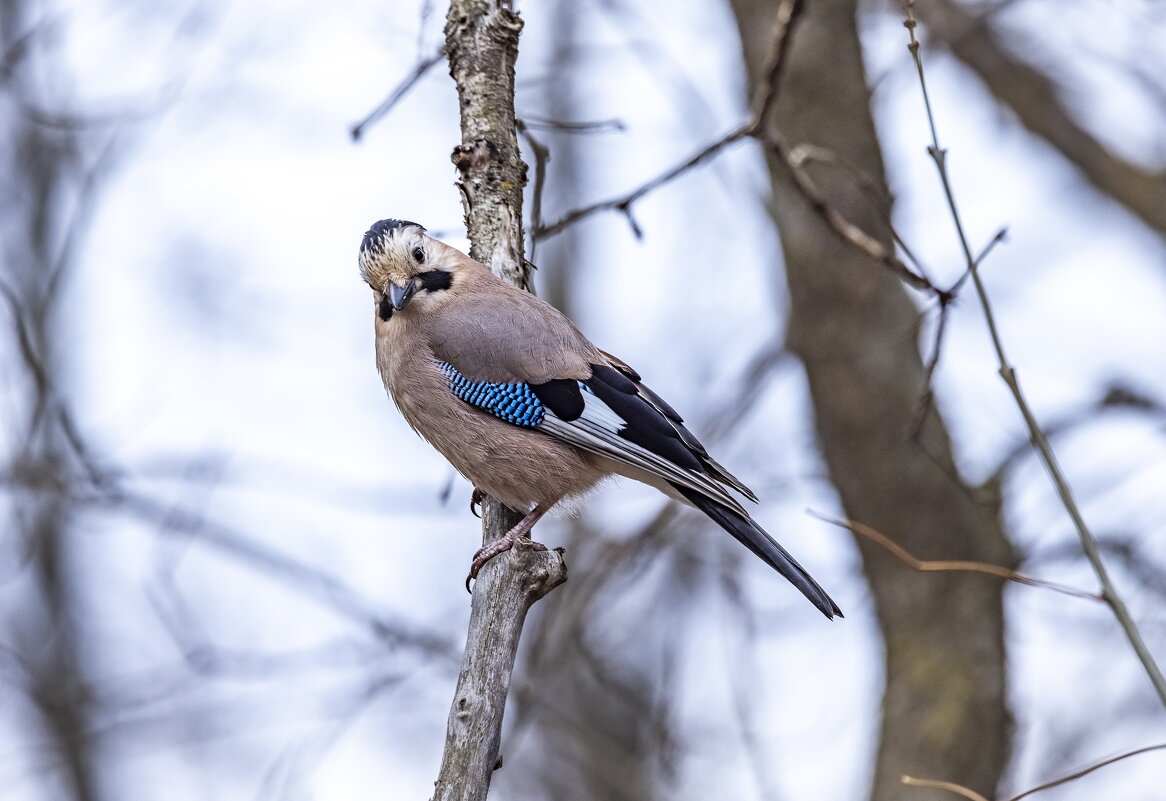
[1034, 98]
[1039, 441]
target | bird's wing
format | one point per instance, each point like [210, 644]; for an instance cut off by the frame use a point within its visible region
[713, 467]
[493, 332]
[615, 416]
[520, 359]
[606, 414]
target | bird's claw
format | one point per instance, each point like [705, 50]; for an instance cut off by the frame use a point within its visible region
[500, 545]
[476, 498]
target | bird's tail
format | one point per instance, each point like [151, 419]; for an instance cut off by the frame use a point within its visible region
[753, 537]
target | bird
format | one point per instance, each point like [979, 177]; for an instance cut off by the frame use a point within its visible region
[524, 406]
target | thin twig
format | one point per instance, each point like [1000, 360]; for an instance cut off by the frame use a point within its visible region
[849, 232]
[805, 153]
[763, 102]
[624, 203]
[587, 127]
[950, 565]
[766, 96]
[399, 91]
[542, 155]
[927, 397]
[316, 584]
[24, 339]
[951, 787]
[996, 240]
[966, 792]
[787, 15]
[1090, 769]
[1008, 374]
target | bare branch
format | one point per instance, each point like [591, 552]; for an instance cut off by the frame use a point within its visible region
[1008, 374]
[399, 91]
[953, 565]
[848, 231]
[1088, 770]
[766, 97]
[927, 396]
[474, 734]
[959, 789]
[542, 155]
[787, 15]
[951, 787]
[588, 127]
[783, 23]
[333, 592]
[624, 203]
[1032, 96]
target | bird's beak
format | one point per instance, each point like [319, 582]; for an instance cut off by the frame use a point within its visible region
[399, 295]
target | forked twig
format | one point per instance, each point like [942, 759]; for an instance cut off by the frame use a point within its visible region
[623, 203]
[786, 18]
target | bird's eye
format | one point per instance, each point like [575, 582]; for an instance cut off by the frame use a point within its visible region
[419, 255]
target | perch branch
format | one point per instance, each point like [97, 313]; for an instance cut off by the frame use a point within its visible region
[481, 41]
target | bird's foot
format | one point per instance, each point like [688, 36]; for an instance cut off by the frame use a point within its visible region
[476, 498]
[505, 543]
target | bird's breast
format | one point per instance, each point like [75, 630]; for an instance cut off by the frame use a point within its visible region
[515, 464]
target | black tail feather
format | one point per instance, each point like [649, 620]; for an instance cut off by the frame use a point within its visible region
[753, 537]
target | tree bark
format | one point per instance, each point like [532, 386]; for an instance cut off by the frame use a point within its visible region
[855, 330]
[474, 734]
[482, 45]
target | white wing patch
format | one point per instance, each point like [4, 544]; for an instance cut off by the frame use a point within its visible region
[597, 430]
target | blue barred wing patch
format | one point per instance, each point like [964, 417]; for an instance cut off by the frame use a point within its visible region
[512, 402]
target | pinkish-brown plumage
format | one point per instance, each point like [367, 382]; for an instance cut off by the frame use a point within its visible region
[442, 319]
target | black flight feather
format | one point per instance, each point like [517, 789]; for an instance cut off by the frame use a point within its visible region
[646, 425]
[562, 396]
[753, 537]
[623, 377]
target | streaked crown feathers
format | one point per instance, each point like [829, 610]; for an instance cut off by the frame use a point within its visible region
[383, 250]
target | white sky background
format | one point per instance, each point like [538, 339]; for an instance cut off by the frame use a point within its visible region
[217, 310]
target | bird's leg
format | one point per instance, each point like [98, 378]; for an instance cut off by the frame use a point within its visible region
[506, 542]
[476, 503]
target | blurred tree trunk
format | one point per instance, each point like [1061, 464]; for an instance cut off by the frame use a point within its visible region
[855, 329]
[44, 197]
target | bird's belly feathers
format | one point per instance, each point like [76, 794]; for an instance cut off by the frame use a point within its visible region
[518, 466]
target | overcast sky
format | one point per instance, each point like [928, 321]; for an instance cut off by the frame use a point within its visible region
[216, 311]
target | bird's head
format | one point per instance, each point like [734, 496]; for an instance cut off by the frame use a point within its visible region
[404, 266]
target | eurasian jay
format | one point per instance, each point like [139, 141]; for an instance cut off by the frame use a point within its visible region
[523, 405]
